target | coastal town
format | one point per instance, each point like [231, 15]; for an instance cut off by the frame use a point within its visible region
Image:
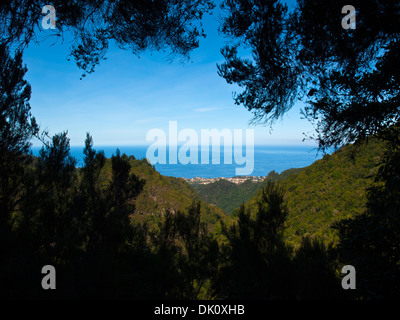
[236, 179]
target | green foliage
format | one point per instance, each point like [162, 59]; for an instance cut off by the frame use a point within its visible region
[17, 127]
[161, 194]
[331, 189]
[346, 78]
[89, 224]
[316, 268]
[255, 250]
[229, 196]
[261, 28]
[225, 194]
[256, 262]
[135, 26]
[370, 241]
[83, 223]
[184, 237]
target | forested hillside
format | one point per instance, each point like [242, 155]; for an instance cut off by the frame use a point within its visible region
[329, 190]
[117, 229]
[162, 193]
[229, 196]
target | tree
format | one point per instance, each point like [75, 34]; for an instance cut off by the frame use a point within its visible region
[371, 241]
[349, 82]
[123, 189]
[315, 265]
[17, 127]
[55, 194]
[198, 262]
[52, 212]
[45, 227]
[134, 25]
[107, 205]
[92, 196]
[347, 78]
[111, 262]
[188, 255]
[269, 78]
[257, 262]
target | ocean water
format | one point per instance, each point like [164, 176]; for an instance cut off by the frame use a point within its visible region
[266, 159]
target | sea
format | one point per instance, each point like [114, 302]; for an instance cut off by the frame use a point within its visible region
[264, 160]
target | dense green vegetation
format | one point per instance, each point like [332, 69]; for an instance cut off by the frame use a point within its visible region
[84, 223]
[115, 228]
[331, 189]
[318, 196]
[257, 263]
[161, 194]
[229, 196]
[225, 194]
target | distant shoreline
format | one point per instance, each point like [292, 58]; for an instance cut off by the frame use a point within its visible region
[236, 179]
[266, 159]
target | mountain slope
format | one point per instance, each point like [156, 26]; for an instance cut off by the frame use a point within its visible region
[228, 195]
[329, 190]
[162, 193]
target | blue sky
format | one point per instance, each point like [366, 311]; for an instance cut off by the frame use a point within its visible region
[127, 96]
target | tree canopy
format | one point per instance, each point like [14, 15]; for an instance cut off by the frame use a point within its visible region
[80, 219]
[348, 78]
[173, 25]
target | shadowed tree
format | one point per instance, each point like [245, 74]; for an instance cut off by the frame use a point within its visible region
[257, 262]
[45, 222]
[198, 263]
[187, 253]
[55, 193]
[270, 77]
[122, 191]
[74, 218]
[347, 78]
[173, 25]
[91, 193]
[110, 245]
[17, 127]
[371, 241]
[259, 265]
[315, 265]
[349, 81]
